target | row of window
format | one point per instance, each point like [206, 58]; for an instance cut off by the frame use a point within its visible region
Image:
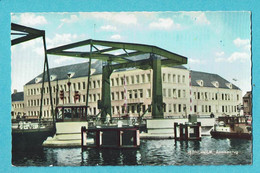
[212, 108]
[128, 80]
[45, 113]
[18, 105]
[74, 86]
[215, 96]
[173, 78]
[173, 92]
[170, 108]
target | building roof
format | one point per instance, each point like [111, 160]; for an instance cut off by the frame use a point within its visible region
[208, 80]
[248, 94]
[19, 96]
[81, 70]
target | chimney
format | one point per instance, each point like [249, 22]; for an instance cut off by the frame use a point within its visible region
[15, 91]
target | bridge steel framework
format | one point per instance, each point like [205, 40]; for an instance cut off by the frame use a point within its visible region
[152, 57]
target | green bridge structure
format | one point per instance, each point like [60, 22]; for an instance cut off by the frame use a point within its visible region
[152, 58]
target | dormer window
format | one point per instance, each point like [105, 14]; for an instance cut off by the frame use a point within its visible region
[200, 82]
[53, 77]
[38, 79]
[70, 74]
[229, 85]
[92, 71]
[215, 83]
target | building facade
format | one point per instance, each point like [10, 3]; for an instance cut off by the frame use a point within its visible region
[18, 107]
[247, 103]
[205, 94]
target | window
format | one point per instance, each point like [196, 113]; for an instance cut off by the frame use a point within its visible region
[174, 78]
[163, 77]
[183, 79]
[148, 93]
[141, 93]
[133, 109]
[98, 83]
[169, 93]
[83, 85]
[195, 108]
[143, 78]
[179, 79]
[132, 80]
[117, 82]
[170, 107]
[169, 77]
[113, 96]
[174, 92]
[78, 86]
[95, 110]
[122, 81]
[122, 95]
[112, 82]
[184, 93]
[148, 77]
[130, 94]
[164, 92]
[84, 98]
[117, 95]
[143, 108]
[179, 110]
[149, 108]
[135, 94]
[179, 93]
[137, 79]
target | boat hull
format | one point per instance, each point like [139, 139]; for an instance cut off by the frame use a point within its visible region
[215, 134]
[23, 139]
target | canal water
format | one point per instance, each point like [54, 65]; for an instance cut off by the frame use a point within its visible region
[208, 151]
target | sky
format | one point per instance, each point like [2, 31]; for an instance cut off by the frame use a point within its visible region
[213, 42]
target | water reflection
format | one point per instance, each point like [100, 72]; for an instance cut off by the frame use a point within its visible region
[209, 151]
[111, 157]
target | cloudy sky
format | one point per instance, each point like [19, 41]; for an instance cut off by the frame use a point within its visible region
[214, 42]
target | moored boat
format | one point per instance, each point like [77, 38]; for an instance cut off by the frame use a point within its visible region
[232, 127]
[28, 135]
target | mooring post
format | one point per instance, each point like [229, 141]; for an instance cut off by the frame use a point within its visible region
[175, 130]
[181, 131]
[186, 132]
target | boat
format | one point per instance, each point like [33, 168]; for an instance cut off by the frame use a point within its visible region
[232, 127]
[30, 135]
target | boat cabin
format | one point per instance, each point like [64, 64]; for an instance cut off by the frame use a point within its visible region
[70, 113]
